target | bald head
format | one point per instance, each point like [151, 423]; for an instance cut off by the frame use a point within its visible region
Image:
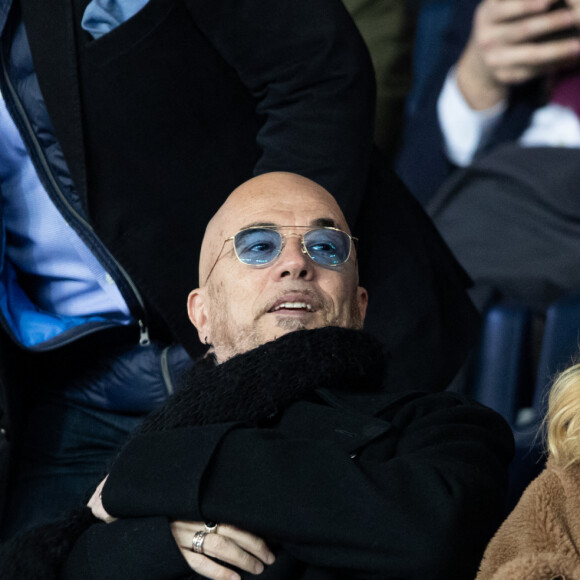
[277, 192]
[241, 306]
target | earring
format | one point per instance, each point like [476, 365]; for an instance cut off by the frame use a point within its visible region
[205, 341]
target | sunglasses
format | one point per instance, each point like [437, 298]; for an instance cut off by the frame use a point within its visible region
[260, 246]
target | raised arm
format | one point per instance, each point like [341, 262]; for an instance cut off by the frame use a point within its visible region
[308, 68]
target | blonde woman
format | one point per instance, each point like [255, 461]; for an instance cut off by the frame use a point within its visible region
[540, 539]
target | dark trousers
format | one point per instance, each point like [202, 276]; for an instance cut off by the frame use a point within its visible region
[64, 455]
[68, 439]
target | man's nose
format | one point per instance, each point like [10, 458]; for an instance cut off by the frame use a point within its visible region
[293, 262]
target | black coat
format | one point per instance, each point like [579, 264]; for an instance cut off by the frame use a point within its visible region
[304, 442]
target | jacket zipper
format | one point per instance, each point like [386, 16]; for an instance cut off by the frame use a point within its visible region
[165, 370]
[73, 217]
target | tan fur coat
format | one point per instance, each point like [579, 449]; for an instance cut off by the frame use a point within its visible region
[540, 540]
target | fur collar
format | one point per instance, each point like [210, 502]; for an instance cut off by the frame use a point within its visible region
[257, 384]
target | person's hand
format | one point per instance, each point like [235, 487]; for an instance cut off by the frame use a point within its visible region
[505, 47]
[96, 504]
[230, 545]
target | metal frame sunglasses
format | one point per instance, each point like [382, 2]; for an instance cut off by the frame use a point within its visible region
[261, 246]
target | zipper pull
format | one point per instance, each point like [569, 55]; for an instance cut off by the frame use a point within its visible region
[144, 339]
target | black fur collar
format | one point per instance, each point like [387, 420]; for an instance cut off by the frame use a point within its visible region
[257, 384]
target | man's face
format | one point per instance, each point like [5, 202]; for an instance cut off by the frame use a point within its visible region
[241, 307]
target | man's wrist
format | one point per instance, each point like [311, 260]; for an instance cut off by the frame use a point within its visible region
[478, 87]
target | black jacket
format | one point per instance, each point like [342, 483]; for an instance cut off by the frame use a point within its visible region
[344, 476]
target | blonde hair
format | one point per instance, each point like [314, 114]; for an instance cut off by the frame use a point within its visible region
[563, 417]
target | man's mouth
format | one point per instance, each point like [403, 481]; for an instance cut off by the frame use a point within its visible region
[292, 306]
[295, 303]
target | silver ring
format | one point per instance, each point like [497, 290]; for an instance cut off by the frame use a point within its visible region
[210, 527]
[197, 542]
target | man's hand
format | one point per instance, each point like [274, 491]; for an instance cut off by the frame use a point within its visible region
[230, 545]
[504, 50]
[96, 504]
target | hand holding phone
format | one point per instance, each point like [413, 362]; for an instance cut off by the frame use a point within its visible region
[510, 44]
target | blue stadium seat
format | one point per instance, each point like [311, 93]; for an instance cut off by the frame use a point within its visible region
[499, 378]
[560, 345]
[505, 378]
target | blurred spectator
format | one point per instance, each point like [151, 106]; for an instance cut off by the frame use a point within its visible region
[499, 106]
[490, 80]
[540, 537]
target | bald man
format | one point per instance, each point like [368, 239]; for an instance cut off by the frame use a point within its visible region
[239, 308]
[287, 452]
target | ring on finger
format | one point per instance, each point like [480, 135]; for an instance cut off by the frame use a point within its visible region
[210, 527]
[197, 542]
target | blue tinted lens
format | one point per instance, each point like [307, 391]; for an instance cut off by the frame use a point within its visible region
[327, 247]
[257, 246]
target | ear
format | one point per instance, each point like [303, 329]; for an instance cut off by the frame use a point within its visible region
[198, 314]
[362, 298]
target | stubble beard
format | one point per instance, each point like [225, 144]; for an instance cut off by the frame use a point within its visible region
[229, 338]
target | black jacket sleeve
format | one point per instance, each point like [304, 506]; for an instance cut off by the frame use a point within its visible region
[309, 69]
[420, 499]
[134, 548]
